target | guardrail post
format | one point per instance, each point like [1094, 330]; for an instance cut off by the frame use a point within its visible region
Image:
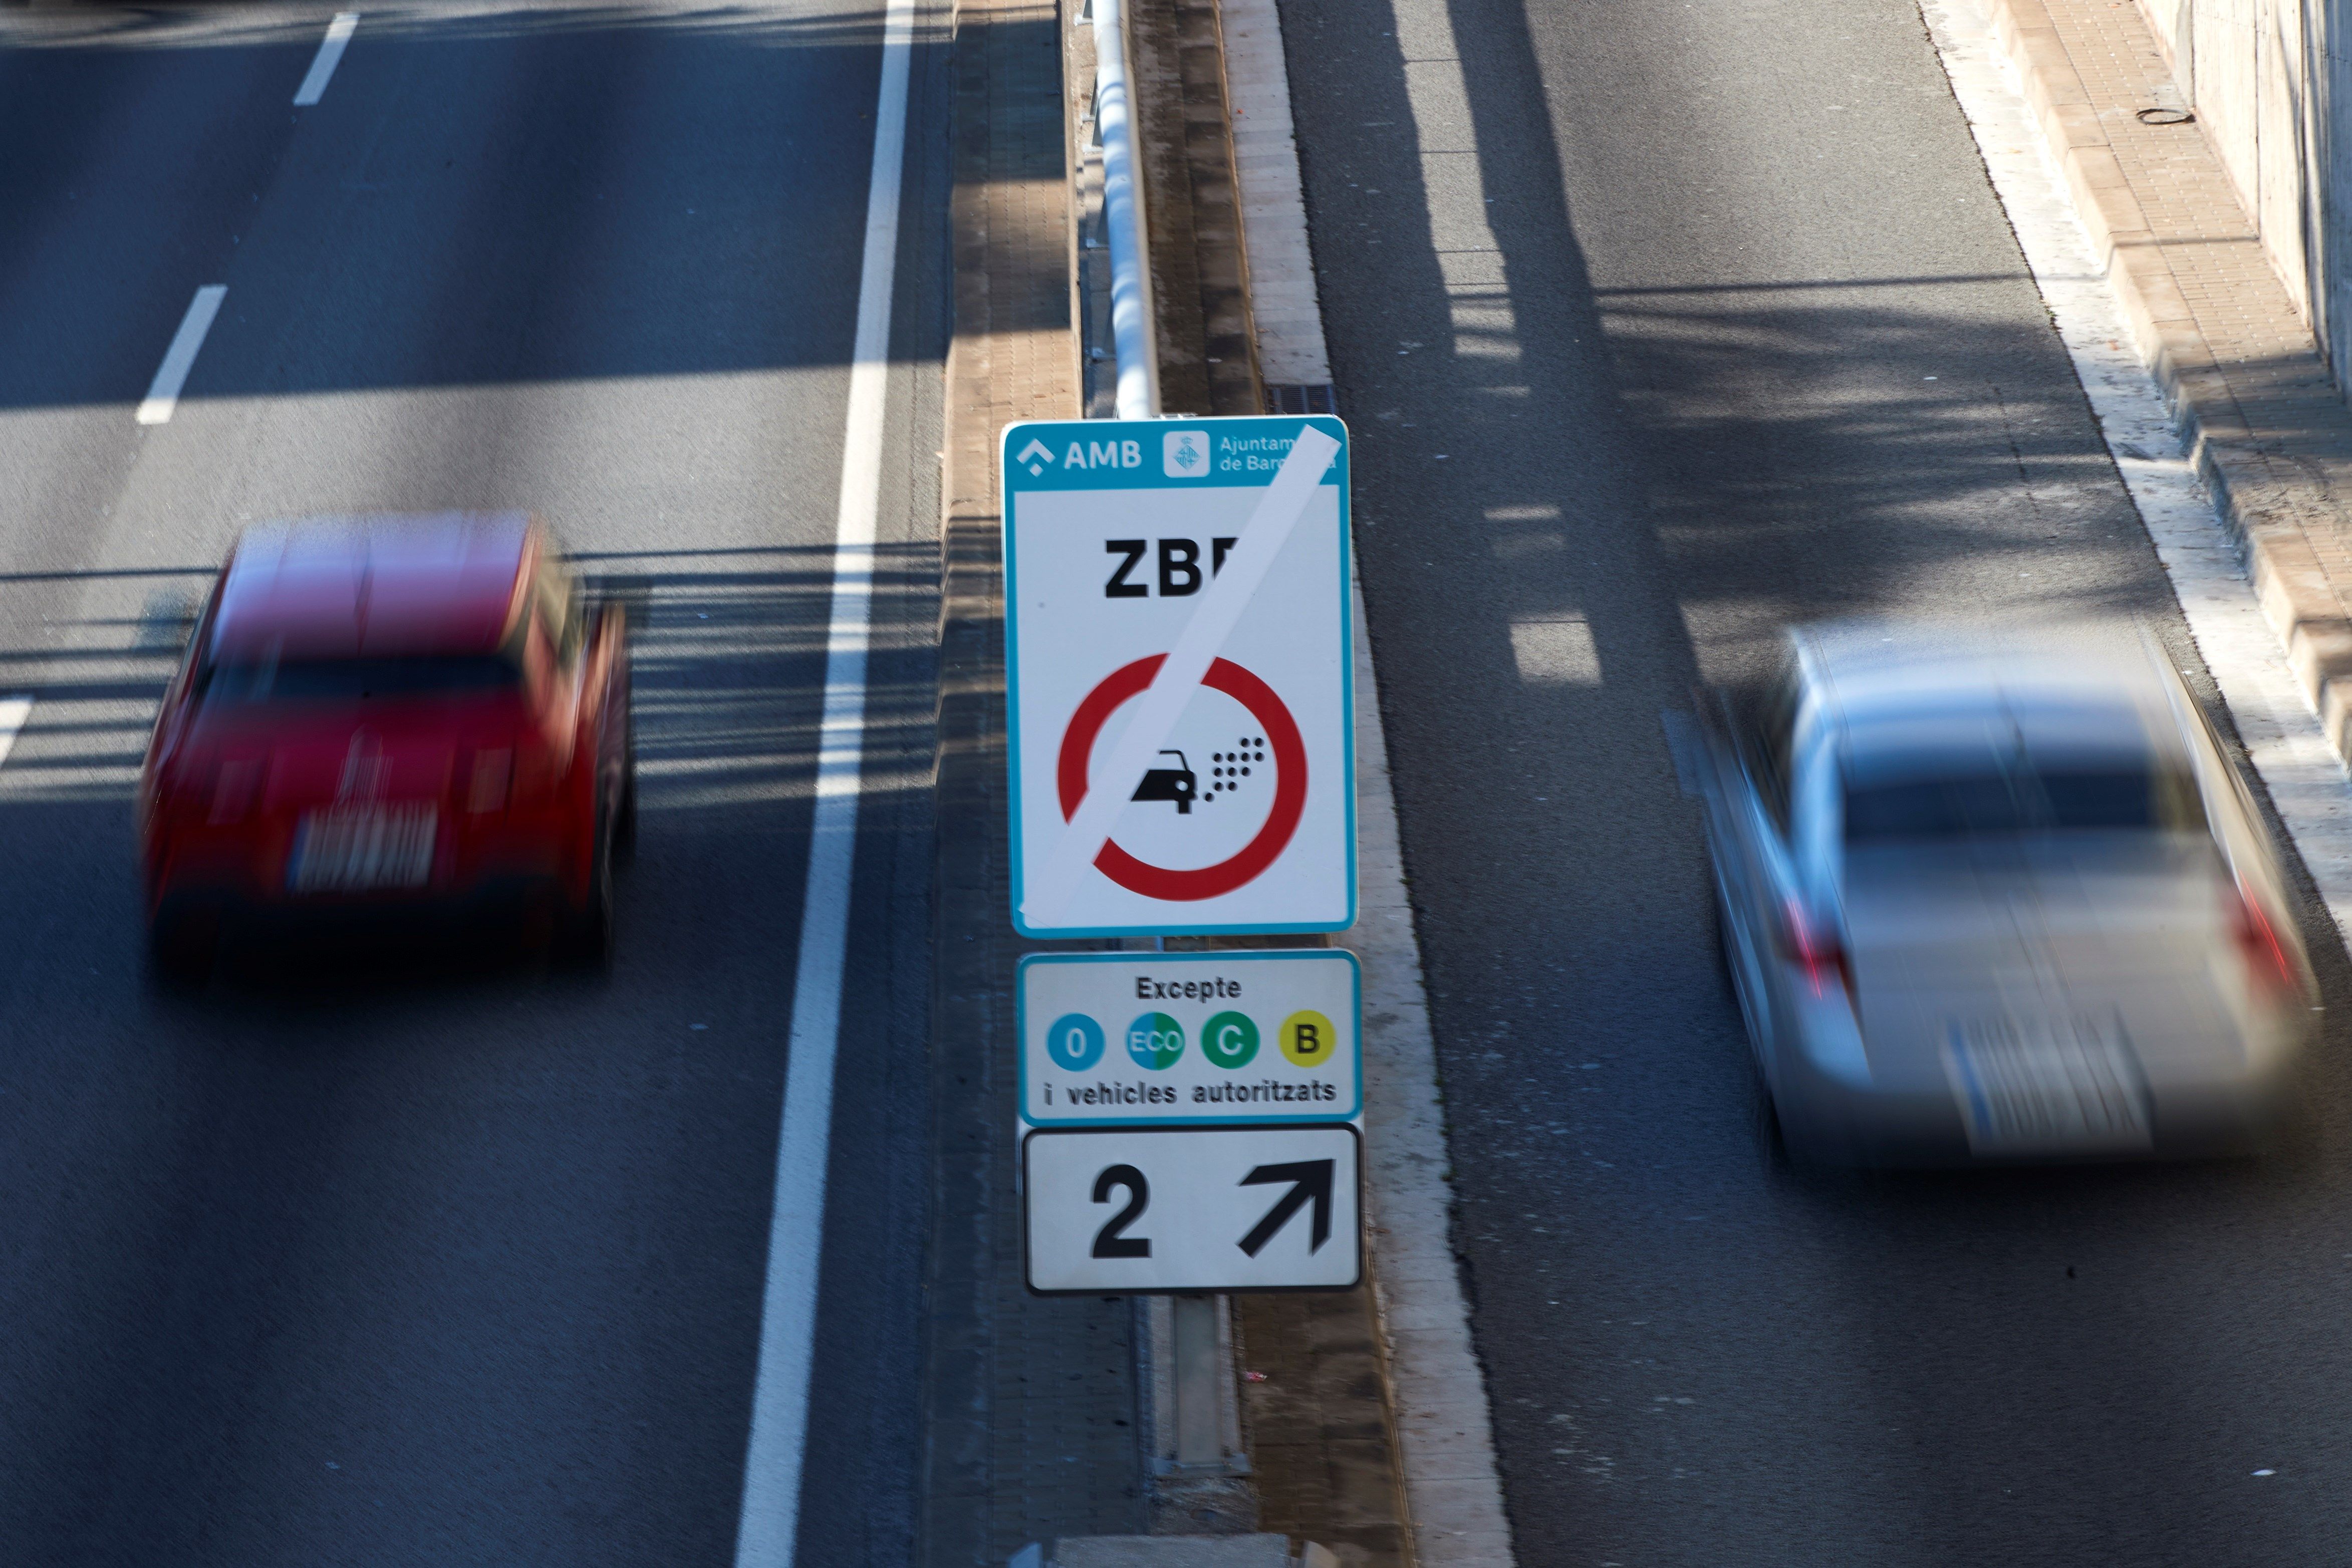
[1132, 337]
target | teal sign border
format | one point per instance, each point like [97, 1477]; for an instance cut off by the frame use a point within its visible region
[1016, 478]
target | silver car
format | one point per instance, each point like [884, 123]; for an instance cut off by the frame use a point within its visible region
[1986, 902]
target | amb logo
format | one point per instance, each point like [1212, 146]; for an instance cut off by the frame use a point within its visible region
[1088, 455]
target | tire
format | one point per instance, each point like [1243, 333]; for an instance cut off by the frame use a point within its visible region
[624, 822]
[586, 940]
[182, 948]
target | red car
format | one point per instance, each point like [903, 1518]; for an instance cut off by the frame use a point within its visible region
[388, 713]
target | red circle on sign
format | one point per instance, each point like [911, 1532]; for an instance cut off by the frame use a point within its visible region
[1289, 780]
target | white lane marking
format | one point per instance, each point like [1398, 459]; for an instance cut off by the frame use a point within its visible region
[164, 393]
[1283, 303]
[14, 711]
[2282, 736]
[1261, 540]
[766, 1533]
[1445, 1436]
[330, 55]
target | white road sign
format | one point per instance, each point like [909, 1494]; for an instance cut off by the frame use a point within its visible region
[1123, 1038]
[1178, 646]
[1146, 1210]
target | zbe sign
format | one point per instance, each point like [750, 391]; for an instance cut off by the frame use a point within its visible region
[1179, 654]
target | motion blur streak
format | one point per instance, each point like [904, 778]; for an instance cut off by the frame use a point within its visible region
[2042, 883]
[772, 1462]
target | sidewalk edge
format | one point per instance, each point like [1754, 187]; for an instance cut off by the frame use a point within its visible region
[2289, 581]
[1444, 1430]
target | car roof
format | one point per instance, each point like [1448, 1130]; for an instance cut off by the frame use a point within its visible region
[443, 583]
[1905, 691]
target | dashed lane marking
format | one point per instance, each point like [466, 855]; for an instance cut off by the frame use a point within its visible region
[330, 55]
[14, 711]
[164, 393]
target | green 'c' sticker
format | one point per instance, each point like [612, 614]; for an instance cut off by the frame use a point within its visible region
[1229, 1040]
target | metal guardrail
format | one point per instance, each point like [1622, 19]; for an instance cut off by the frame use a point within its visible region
[1138, 355]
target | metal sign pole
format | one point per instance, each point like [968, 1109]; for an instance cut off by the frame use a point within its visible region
[1179, 634]
[1200, 1368]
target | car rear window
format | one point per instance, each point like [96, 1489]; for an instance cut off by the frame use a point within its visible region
[2089, 795]
[356, 680]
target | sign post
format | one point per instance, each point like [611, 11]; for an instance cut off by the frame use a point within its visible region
[1179, 649]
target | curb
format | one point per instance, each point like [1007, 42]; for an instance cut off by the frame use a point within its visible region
[2286, 523]
[1437, 1400]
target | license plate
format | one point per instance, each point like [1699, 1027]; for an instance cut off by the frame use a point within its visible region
[356, 851]
[2048, 1086]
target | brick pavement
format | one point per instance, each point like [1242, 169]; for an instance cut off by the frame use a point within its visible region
[1030, 1409]
[2267, 428]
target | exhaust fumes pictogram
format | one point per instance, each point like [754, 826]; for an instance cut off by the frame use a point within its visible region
[1227, 769]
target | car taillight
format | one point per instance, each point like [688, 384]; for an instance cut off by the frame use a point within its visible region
[232, 789]
[487, 789]
[2257, 933]
[1814, 947]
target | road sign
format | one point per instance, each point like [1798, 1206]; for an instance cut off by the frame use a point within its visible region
[1126, 1038]
[1183, 1209]
[1178, 643]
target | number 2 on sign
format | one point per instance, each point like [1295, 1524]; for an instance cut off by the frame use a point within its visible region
[1110, 1241]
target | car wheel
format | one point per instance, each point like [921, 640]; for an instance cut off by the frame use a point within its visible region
[587, 938]
[182, 948]
[624, 822]
[1772, 1150]
[1737, 970]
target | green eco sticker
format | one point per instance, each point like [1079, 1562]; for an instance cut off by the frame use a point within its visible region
[1155, 1041]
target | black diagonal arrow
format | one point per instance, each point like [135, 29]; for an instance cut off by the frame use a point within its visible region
[1308, 1179]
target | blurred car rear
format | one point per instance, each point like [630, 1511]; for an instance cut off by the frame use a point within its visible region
[1985, 900]
[390, 715]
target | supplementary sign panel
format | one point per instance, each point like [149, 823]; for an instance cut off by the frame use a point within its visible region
[1126, 1038]
[1146, 1210]
[1175, 578]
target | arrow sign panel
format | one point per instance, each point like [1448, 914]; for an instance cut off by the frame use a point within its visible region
[1184, 1209]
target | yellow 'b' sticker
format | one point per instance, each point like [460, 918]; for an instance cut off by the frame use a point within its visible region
[1308, 1039]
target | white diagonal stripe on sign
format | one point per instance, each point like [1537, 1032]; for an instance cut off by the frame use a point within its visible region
[1229, 594]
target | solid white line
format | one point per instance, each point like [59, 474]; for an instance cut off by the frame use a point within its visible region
[330, 55]
[1261, 540]
[766, 1533]
[163, 394]
[1454, 1491]
[14, 711]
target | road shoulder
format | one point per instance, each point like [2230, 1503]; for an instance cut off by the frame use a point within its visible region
[2266, 426]
[1029, 1404]
[2096, 278]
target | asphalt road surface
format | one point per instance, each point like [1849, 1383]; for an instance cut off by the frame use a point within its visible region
[1660, 324]
[442, 1257]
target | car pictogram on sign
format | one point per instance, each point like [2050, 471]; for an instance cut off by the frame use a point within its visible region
[1182, 886]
